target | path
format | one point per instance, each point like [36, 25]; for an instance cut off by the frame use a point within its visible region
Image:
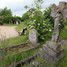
[7, 32]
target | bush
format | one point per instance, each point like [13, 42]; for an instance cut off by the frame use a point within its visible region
[42, 22]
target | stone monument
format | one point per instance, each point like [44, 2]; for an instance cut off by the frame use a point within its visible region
[33, 36]
[53, 50]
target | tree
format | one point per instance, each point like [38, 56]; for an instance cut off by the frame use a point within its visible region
[25, 16]
[5, 15]
[38, 3]
[16, 19]
[26, 7]
[5, 12]
[42, 21]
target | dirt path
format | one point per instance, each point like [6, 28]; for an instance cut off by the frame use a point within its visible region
[7, 32]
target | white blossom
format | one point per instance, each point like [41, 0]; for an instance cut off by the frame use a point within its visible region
[50, 30]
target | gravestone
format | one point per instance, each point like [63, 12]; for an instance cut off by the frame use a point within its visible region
[53, 50]
[17, 22]
[56, 31]
[33, 36]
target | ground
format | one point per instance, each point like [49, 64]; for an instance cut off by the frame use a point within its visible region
[8, 31]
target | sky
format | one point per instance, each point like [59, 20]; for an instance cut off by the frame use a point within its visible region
[17, 6]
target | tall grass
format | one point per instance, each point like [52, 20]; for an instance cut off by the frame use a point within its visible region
[13, 41]
[8, 59]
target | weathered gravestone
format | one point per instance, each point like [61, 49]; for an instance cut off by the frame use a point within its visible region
[53, 50]
[33, 36]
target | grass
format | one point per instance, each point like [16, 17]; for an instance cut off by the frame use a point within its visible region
[63, 62]
[64, 33]
[9, 25]
[9, 58]
[20, 27]
[17, 57]
[13, 41]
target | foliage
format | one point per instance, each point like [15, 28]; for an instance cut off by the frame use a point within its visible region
[63, 33]
[38, 3]
[20, 26]
[63, 61]
[25, 16]
[5, 12]
[26, 7]
[6, 19]
[42, 22]
[5, 15]
[44, 25]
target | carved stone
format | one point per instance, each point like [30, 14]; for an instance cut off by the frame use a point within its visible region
[55, 36]
[53, 50]
[33, 37]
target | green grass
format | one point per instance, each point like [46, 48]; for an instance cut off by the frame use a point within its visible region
[9, 25]
[64, 33]
[13, 41]
[17, 57]
[63, 61]
[20, 26]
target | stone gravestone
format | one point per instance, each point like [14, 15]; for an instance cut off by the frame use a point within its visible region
[56, 31]
[17, 22]
[33, 36]
[53, 50]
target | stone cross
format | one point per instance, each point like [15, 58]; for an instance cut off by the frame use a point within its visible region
[53, 50]
[58, 13]
[56, 31]
[57, 16]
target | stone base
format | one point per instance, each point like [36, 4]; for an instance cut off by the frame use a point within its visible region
[53, 52]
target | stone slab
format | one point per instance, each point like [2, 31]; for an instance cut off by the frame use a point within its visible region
[33, 36]
[54, 46]
[49, 51]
